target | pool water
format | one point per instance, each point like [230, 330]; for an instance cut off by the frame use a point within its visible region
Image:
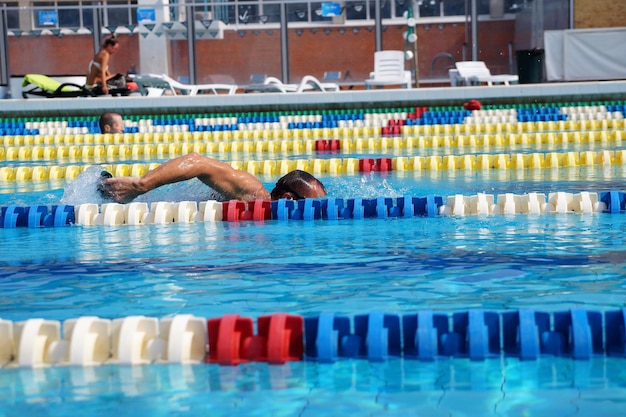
[394, 388]
[548, 262]
[400, 266]
[350, 267]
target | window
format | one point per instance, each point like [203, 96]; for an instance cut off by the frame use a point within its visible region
[454, 8]
[356, 10]
[430, 8]
[270, 13]
[221, 12]
[298, 12]
[13, 16]
[401, 7]
[385, 9]
[515, 6]
[87, 15]
[69, 14]
[75, 14]
[118, 13]
[247, 14]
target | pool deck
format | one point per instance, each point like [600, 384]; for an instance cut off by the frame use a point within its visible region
[345, 99]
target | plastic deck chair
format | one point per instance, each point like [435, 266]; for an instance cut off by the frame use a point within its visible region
[176, 88]
[476, 72]
[389, 70]
[308, 83]
[44, 86]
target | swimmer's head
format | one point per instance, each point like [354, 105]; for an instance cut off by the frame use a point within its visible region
[111, 122]
[298, 185]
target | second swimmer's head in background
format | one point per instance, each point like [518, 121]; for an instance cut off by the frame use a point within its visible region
[111, 122]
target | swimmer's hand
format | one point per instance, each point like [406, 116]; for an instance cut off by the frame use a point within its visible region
[120, 190]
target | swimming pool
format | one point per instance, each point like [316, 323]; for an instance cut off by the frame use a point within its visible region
[544, 262]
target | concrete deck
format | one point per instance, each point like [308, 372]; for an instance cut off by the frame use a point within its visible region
[346, 99]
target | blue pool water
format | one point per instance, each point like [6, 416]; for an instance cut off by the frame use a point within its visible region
[549, 262]
[394, 388]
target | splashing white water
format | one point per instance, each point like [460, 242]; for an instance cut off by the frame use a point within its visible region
[365, 186]
[84, 189]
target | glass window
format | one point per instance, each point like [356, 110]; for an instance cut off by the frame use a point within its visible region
[247, 14]
[385, 9]
[202, 12]
[87, 15]
[401, 7]
[13, 16]
[69, 14]
[117, 15]
[515, 6]
[297, 12]
[429, 8]
[454, 8]
[221, 12]
[173, 10]
[356, 10]
[269, 13]
[483, 6]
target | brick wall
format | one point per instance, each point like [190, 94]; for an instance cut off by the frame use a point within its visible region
[314, 51]
[67, 55]
[241, 54]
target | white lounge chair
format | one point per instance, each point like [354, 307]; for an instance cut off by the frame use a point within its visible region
[308, 83]
[177, 88]
[389, 70]
[476, 72]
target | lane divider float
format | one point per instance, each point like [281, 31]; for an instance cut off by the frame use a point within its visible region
[141, 213]
[124, 145]
[424, 335]
[339, 166]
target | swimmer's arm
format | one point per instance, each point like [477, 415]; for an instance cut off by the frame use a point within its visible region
[231, 183]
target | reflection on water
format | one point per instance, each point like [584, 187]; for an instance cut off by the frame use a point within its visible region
[546, 387]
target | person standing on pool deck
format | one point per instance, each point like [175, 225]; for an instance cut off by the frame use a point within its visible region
[98, 73]
[111, 122]
[230, 183]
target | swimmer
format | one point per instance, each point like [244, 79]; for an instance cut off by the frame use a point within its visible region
[230, 183]
[111, 122]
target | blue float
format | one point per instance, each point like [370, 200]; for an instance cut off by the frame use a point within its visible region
[381, 333]
[421, 334]
[324, 335]
[615, 325]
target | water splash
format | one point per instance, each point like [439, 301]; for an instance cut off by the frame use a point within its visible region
[366, 186]
[84, 189]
